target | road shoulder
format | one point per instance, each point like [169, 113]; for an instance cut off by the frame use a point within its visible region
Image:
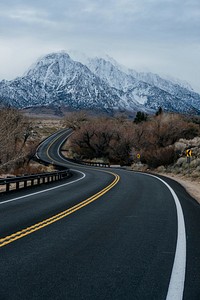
[192, 187]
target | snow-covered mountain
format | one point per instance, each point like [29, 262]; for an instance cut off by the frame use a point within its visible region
[100, 84]
[148, 89]
[57, 79]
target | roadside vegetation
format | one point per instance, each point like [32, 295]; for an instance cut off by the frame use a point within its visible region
[150, 141]
[15, 132]
[19, 138]
[145, 142]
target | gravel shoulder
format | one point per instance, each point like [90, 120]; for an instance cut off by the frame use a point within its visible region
[192, 187]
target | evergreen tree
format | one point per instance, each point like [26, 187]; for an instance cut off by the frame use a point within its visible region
[140, 117]
[159, 111]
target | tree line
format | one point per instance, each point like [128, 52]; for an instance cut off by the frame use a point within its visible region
[117, 140]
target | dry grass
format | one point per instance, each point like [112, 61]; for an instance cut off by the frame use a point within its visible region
[43, 127]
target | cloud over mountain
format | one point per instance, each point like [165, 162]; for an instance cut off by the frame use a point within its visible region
[101, 84]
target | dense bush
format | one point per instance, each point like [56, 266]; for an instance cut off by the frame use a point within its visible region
[103, 138]
[159, 157]
[114, 139]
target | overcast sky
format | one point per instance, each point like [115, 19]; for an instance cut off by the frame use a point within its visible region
[161, 36]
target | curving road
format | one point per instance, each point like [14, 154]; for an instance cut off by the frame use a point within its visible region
[102, 234]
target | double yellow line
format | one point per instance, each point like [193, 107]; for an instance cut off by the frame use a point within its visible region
[18, 235]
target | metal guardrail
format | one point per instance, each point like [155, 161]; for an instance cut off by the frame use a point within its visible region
[31, 180]
[95, 164]
[87, 163]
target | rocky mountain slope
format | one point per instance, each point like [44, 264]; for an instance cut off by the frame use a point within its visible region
[98, 84]
[148, 89]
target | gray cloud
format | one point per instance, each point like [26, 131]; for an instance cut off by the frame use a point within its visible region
[146, 18]
[137, 32]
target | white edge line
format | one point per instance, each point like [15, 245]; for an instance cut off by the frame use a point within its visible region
[48, 138]
[59, 150]
[46, 190]
[177, 280]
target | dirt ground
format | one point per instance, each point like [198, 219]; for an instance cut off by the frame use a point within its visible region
[192, 187]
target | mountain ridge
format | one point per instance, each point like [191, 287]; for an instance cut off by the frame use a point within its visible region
[100, 84]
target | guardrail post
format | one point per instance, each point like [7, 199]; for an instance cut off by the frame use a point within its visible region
[25, 180]
[7, 187]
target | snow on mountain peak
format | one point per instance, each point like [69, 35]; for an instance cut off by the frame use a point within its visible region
[95, 83]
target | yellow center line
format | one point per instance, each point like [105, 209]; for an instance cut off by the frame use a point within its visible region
[26, 231]
[50, 145]
[18, 235]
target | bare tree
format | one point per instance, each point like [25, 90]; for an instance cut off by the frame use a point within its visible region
[15, 130]
[103, 138]
[75, 119]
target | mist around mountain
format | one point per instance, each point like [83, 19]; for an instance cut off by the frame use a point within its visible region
[99, 84]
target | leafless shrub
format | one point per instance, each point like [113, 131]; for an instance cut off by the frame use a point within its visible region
[102, 137]
[159, 157]
[115, 138]
[75, 119]
[15, 131]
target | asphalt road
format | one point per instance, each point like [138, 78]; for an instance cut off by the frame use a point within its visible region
[102, 234]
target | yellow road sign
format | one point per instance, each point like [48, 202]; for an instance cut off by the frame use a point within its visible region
[188, 152]
[138, 155]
